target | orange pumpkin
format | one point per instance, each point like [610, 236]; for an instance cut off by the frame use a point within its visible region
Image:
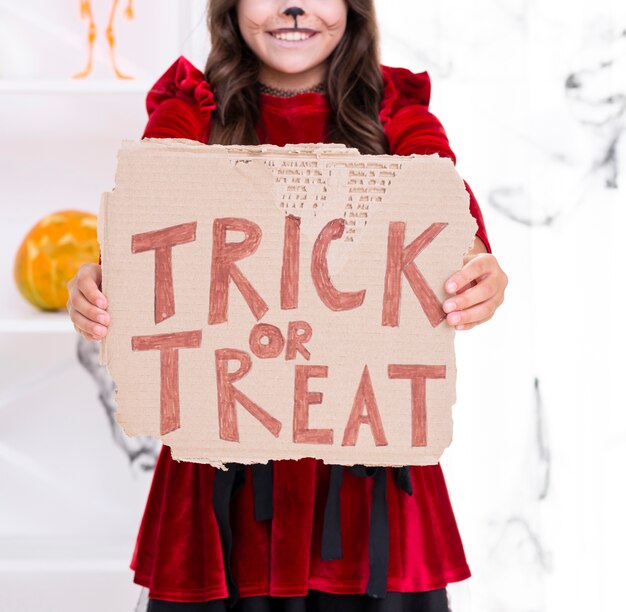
[51, 254]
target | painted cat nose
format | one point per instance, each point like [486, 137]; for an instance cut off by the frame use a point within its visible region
[293, 11]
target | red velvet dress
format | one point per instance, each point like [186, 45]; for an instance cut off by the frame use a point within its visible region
[179, 554]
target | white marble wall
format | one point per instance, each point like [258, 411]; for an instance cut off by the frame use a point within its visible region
[533, 97]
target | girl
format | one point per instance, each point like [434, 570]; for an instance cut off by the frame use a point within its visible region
[300, 535]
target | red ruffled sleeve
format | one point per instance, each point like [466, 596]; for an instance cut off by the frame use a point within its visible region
[180, 104]
[412, 129]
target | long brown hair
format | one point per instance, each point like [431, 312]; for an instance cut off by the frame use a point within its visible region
[354, 81]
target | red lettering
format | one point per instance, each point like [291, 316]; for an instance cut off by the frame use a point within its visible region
[273, 347]
[332, 297]
[223, 268]
[290, 273]
[168, 344]
[399, 261]
[302, 399]
[228, 395]
[418, 375]
[364, 398]
[161, 242]
[296, 340]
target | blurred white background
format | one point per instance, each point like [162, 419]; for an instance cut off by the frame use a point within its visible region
[533, 97]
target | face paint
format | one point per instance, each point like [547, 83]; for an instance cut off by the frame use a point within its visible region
[293, 44]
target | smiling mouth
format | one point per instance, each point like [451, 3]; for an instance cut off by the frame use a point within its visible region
[293, 35]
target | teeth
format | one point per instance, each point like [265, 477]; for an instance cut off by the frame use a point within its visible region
[291, 36]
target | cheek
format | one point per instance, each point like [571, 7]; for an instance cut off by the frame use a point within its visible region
[254, 9]
[334, 17]
[333, 13]
[252, 16]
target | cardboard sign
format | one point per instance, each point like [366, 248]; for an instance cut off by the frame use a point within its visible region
[280, 303]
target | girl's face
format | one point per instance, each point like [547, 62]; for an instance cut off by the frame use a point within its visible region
[292, 57]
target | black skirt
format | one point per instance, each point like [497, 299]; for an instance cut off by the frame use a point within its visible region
[316, 601]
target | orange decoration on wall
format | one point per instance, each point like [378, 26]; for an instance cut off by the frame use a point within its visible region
[51, 254]
[86, 12]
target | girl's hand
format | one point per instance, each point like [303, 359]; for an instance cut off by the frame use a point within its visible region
[86, 304]
[478, 289]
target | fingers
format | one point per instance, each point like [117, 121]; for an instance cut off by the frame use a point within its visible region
[478, 290]
[83, 306]
[89, 279]
[473, 270]
[469, 317]
[470, 297]
[86, 327]
[86, 303]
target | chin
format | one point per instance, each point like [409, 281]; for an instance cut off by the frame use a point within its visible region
[293, 67]
[292, 70]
